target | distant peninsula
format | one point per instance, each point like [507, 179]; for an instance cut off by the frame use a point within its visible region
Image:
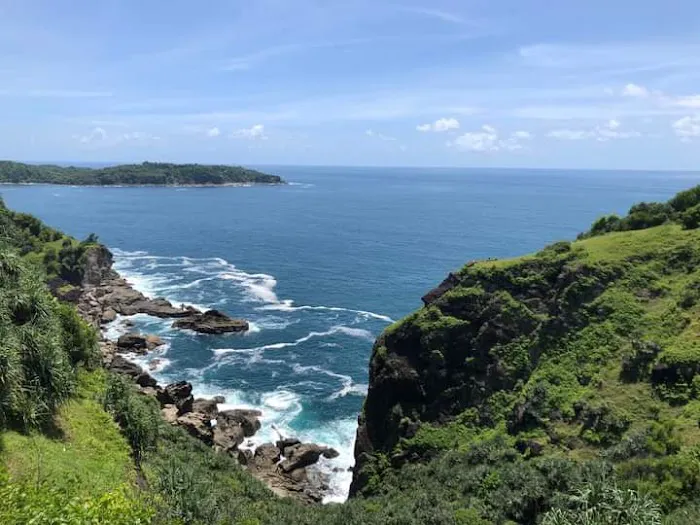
[145, 174]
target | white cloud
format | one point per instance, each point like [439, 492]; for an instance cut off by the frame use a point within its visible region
[256, 132]
[213, 132]
[635, 90]
[138, 136]
[687, 128]
[380, 136]
[440, 125]
[608, 131]
[488, 139]
[692, 101]
[96, 135]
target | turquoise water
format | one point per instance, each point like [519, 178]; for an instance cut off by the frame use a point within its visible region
[320, 267]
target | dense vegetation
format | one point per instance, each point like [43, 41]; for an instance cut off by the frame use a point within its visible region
[560, 387]
[147, 173]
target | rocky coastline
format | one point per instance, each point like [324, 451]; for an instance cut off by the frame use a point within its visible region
[103, 295]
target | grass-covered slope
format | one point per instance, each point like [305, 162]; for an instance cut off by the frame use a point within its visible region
[522, 381]
[147, 173]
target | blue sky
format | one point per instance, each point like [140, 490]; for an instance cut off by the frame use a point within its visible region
[531, 83]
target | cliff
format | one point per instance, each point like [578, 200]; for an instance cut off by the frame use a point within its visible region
[519, 378]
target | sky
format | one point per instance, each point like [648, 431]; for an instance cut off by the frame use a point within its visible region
[477, 83]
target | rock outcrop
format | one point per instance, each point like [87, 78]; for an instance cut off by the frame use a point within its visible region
[211, 322]
[139, 343]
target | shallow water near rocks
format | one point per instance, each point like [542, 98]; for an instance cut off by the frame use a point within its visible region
[319, 267]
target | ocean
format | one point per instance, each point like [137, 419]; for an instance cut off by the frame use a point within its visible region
[320, 267]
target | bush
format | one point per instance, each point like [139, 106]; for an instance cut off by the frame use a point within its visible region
[690, 219]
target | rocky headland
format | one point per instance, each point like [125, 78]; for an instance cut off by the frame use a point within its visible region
[103, 295]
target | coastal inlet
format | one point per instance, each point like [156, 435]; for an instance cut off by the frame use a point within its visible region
[295, 364]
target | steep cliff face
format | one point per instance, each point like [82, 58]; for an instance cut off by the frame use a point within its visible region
[584, 352]
[97, 265]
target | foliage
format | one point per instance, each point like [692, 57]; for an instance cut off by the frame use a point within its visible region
[147, 173]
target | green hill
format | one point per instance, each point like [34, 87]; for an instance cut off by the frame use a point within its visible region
[147, 173]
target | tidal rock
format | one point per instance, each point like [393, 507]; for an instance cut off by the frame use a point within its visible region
[120, 365]
[211, 322]
[146, 380]
[246, 419]
[287, 442]
[300, 456]
[139, 343]
[330, 453]
[108, 315]
[219, 399]
[197, 425]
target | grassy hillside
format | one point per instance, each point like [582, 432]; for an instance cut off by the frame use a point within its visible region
[528, 382]
[151, 173]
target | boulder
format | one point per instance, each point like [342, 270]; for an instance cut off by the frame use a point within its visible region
[178, 394]
[330, 453]
[139, 343]
[169, 413]
[145, 380]
[246, 419]
[267, 454]
[245, 457]
[197, 425]
[211, 322]
[226, 438]
[287, 442]
[120, 365]
[300, 456]
[219, 399]
[108, 316]
[205, 406]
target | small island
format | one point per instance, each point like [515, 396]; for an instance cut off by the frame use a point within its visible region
[145, 174]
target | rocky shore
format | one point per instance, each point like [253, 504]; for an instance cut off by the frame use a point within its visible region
[103, 295]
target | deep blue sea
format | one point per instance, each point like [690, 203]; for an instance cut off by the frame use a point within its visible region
[320, 267]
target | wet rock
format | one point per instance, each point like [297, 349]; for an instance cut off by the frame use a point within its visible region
[108, 315]
[120, 365]
[246, 419]
[287, 442]
[153, 364]
[219, 399]
[300, 456]
[146, 380]
[330, 453]
[139, 343]
[212, 322]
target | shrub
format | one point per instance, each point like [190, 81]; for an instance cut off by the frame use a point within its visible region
[690, 218]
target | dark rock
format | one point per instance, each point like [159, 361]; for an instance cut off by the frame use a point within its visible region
[245, 457]
[267, 454]
[205, 406]
[445, 286]
[246, 419]
[211, 322]
[178, 394]
[154, 363]
[300, 456]
[198, 426]
[219, 399]
[120, 365]
[287, 442]
[146, 380]
[139, 343]
[330, 453]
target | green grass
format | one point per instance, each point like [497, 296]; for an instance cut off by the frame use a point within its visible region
[88, 457]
